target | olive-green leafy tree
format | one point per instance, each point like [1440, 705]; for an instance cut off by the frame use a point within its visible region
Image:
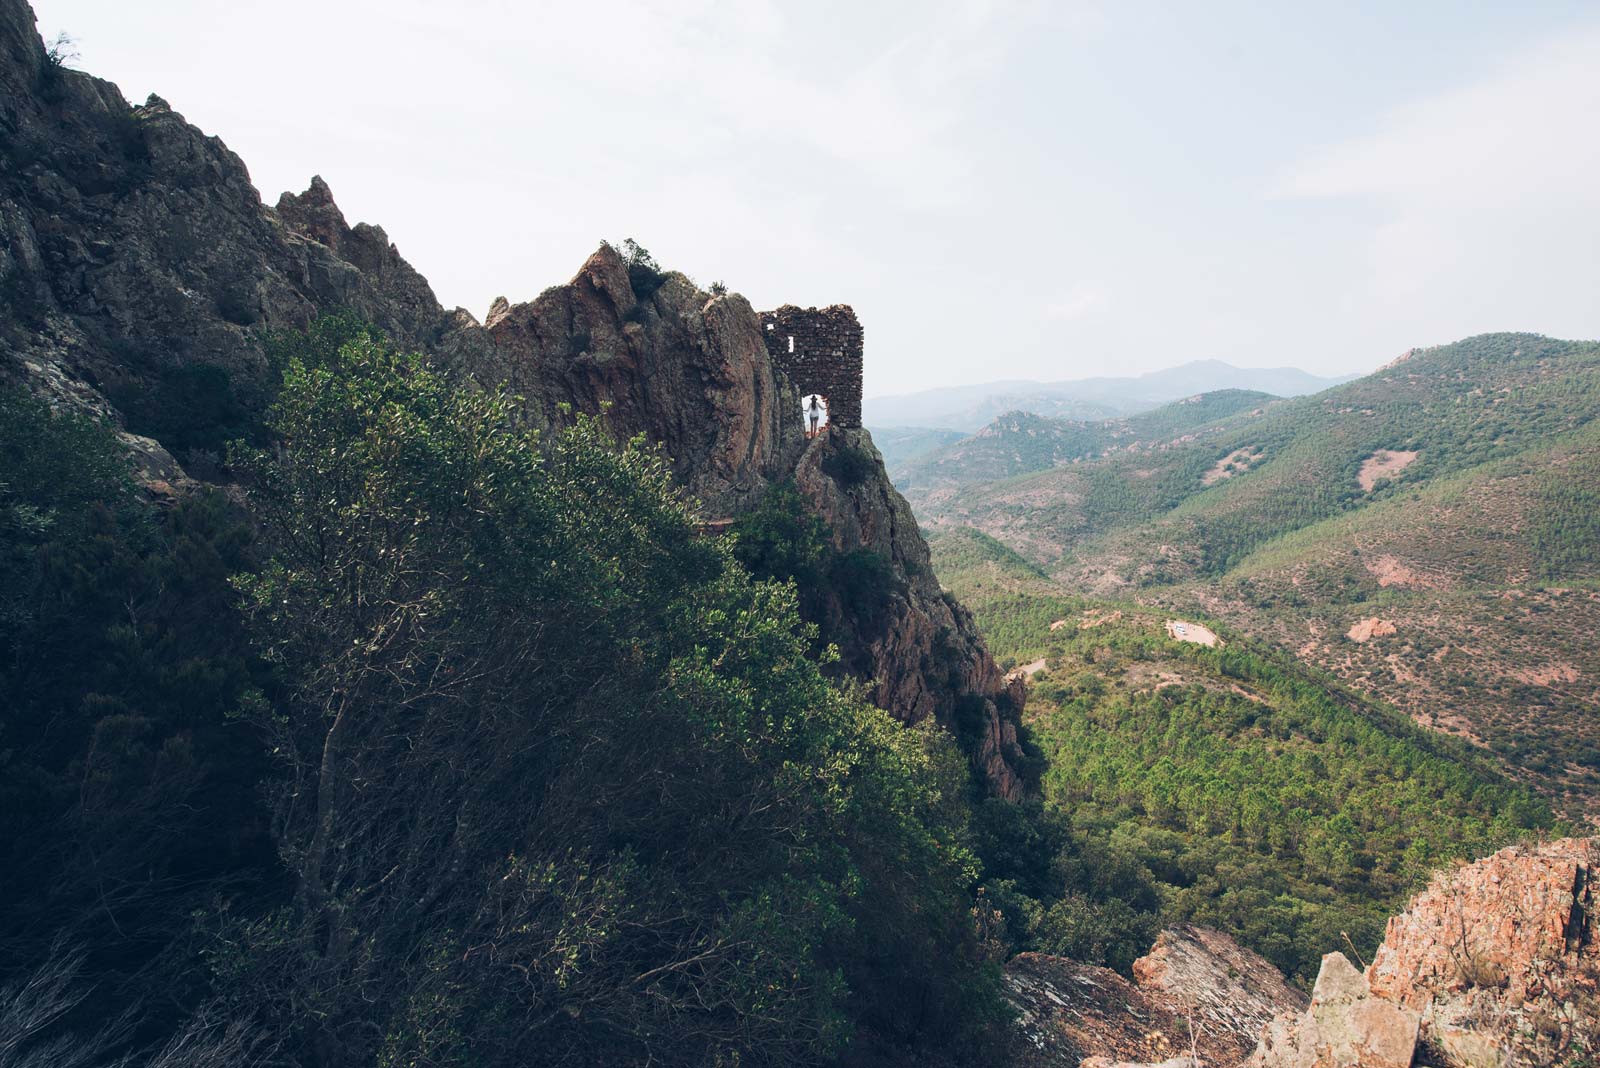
[560, 782]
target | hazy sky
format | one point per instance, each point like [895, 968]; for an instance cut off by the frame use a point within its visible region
[1044, 190]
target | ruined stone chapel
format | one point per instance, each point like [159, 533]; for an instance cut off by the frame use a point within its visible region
[819, 350]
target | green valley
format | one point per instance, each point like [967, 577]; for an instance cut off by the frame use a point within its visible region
[1425, 534]
[1259, 797]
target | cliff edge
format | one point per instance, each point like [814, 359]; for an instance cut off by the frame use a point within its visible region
[140, 273]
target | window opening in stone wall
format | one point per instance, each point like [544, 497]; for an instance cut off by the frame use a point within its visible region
[791, 342]
[814, 411]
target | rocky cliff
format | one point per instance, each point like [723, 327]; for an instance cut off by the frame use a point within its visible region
[133, 248]
[1495, 965]
[140, 271]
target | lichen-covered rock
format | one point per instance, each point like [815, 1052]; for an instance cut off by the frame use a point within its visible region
[133, 246]
[1198, 993]
[1068, 1011]
[1208, 976]
[1502, 957]
[1344, 1027]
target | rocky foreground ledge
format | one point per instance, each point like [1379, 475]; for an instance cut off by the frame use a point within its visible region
[1197, 992]
[1495, 965]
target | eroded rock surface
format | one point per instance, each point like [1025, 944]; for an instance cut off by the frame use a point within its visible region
[1495, 965]
[133, 246]
[687, 369]
[1198, 994]
[1502, 957]
[1344, 1027]
[1209, 977]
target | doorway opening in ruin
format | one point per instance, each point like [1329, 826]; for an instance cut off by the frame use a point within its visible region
[814, 413]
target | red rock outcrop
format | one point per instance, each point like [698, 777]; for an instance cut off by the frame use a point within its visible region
[687, 369]
[1502, 957]
[1495, 965]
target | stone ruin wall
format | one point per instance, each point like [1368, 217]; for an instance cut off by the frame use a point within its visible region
[826, 355]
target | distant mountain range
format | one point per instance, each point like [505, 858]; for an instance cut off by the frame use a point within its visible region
[1018, 443]
[969, 408]
[1430, 534]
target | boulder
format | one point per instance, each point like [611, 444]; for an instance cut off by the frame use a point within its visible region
[1197, 993]
[1344, 1027]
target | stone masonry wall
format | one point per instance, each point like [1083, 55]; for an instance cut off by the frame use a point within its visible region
[820, 352]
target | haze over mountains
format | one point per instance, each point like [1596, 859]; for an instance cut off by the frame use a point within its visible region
[970, 408]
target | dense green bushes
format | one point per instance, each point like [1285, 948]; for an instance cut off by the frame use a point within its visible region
[189, 409]
[645, 275]
[783, 539]
[1060, 891]
[652, 829]
[848, 464]
[127, 793]
[549, 776]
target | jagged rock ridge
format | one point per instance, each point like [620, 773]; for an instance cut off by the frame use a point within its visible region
[134, 251]
[1197, 992]
[1495, 965]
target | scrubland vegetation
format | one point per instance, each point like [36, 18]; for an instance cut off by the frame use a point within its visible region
[457, 747]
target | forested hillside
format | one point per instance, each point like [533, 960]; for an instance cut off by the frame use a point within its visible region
[1424, 533]
[1256, 797]
[419, 769]
[1021, 442]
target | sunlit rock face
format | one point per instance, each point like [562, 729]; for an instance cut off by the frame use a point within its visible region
[1496, 964]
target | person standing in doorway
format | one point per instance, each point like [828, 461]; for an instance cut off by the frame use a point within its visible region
[815, 412]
